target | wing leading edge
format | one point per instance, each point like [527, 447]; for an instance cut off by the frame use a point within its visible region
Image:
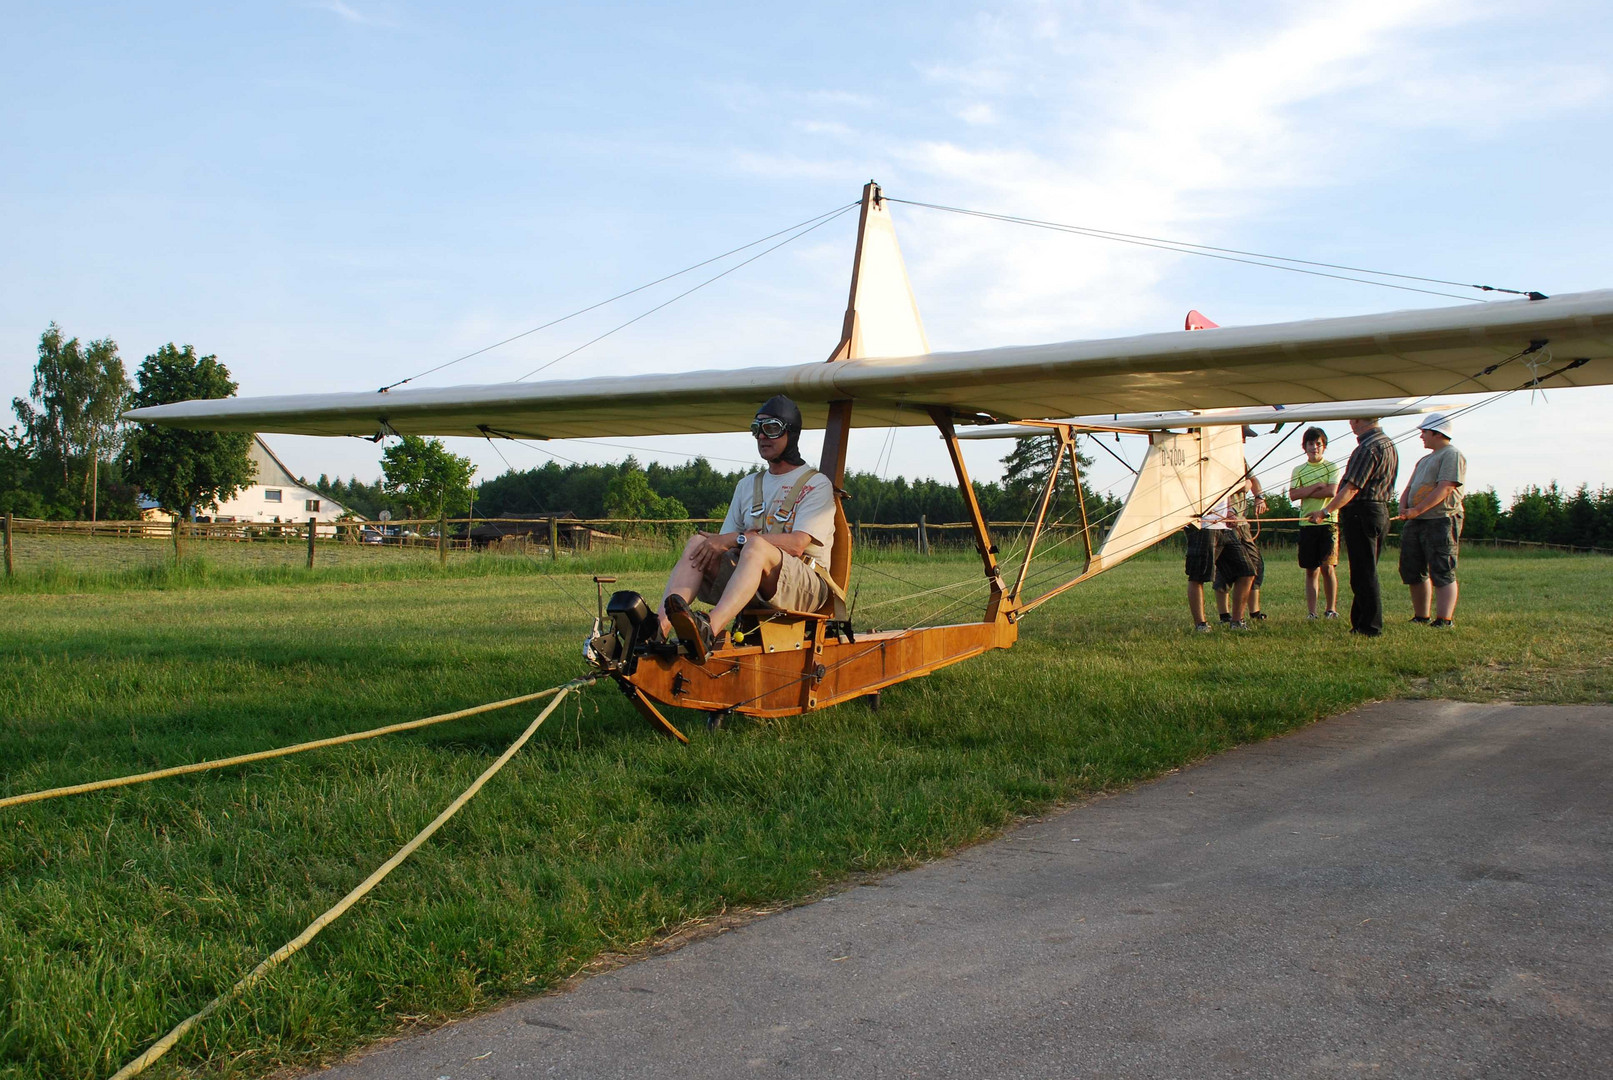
[1398, 354]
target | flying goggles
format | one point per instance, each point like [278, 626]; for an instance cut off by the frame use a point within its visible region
[770, 427]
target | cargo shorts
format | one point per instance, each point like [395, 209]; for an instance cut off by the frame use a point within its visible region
[1428, 550]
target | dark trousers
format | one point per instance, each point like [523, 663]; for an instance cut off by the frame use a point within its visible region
[1362, 527]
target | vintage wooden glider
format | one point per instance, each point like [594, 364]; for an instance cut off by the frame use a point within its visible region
[882, 373]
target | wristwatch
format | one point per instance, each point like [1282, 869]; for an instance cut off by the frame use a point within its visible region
[739, 541]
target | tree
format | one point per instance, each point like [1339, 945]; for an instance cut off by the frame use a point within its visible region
[430, 480]
[182, 469]
[630, 496]
[71, 415]
[1025, 470]
[1482, 514]
[19, 486]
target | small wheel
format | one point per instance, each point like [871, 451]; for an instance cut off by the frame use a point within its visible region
[714, 721]
[873, 701]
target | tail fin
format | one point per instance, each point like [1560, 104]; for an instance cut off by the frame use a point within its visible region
[1182, 476]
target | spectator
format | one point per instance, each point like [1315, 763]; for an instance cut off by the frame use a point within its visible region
[1315, 481]
[1364, 492]
[1430, 506]
[1237, 561]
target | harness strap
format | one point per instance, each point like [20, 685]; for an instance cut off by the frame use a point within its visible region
[785, 513]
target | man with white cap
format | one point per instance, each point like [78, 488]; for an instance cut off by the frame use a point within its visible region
[1431, 506]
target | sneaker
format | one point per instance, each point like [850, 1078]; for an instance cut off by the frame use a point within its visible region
[693, 628]
[1443, 624]
[1241, 624]
[1419, 619]
[1225, 617]
[1311, 617]
[1201, 628]
[1330, 614]
[1258, 616]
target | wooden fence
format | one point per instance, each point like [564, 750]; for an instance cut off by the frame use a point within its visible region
[551, 536]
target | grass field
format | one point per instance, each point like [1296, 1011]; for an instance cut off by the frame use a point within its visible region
[123, 912]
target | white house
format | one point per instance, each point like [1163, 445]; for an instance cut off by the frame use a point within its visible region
[274, 495]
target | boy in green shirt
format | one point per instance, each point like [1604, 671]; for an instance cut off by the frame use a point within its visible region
[1313, 483]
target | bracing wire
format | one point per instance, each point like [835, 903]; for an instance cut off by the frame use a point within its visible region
[1249, 258]
[619, 296]
[715, 277]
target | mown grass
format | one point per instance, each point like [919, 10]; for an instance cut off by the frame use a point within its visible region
[75, 564]
[123, 912]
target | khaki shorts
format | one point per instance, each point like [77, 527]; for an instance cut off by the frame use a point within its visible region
[799, 586]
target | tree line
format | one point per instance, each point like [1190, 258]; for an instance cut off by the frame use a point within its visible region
[696, 489]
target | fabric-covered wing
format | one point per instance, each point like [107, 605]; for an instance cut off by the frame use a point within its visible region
[1406, 353]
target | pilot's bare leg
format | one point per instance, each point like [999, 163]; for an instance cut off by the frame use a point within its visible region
[684, 580]
[757, 572]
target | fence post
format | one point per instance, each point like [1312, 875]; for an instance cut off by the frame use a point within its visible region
[179, 544]
[10, 567]
[859, 532]
[924, 537]
[554, 538]
[310, 543]
[442, 538]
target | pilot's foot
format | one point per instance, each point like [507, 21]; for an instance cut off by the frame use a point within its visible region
[693, 628]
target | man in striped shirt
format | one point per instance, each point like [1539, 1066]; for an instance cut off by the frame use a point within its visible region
[1365, 492]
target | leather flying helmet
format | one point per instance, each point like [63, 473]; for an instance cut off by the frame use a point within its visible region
[782, 408]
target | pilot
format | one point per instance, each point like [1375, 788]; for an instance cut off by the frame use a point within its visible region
[774, 545]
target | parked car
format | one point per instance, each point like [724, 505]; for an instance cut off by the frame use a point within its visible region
[385, 534]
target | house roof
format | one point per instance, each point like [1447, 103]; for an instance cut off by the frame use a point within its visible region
[272, 472]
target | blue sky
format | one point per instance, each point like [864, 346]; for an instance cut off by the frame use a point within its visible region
[332, 196]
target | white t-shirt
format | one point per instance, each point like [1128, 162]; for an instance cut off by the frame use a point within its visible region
[814, 508]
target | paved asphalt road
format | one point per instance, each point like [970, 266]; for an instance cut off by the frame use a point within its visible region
[1409, 890]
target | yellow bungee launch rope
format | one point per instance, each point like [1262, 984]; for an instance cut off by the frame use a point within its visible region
[264, 755]
[280, 955]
